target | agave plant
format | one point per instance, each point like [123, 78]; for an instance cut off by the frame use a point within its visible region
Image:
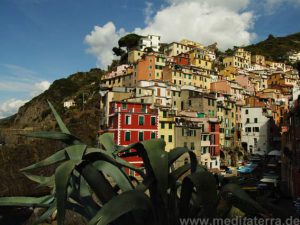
[93, 183]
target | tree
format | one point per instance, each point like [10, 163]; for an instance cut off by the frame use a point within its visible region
[129, 41]
[118, 51]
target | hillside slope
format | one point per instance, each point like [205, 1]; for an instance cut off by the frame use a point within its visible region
[35, 115]
[276, 48]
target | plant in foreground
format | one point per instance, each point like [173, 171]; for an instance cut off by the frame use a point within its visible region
[93, 183]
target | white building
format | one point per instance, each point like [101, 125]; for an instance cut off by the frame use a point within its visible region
[69, 103]
[149, 41]
[255, 130]
[294, 57]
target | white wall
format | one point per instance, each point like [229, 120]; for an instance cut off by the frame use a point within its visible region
[261, 136]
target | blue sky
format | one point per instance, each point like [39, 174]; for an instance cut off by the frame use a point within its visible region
[44, 40]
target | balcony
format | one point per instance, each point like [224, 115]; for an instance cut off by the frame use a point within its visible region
[205, 143]
[228, 136]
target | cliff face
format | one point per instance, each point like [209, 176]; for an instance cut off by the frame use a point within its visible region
[82, 120]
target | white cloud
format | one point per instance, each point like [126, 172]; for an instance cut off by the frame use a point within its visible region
[148, 12]
[203, 21]
[40, 87]
[207, 21]
[10, 107]
[18, 81]
[101, 41]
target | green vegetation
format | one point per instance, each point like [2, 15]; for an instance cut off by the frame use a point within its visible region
[276, 48]
[92, 182]
[129, 41]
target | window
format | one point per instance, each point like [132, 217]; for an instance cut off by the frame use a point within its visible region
[185, 144]
[190, 102]
[192, 146]
[153, 120]
[141, 135]
[164, 114]
[162, 125]
[140, 91]
[255, 120]
[153, 135]
[248, 129]
[170, 125]
[141, 120]
[128, 120]
[162, 137]
[124, 105]
[127, 136]
[170, 138]
[255, 129]
[247, 120]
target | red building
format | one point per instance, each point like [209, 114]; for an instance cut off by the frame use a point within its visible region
[214, 130]
[182, 59]
[132, 122]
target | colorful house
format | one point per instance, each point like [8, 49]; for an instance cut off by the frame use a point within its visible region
[132, 122]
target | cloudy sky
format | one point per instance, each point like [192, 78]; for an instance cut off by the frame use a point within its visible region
[44, 40]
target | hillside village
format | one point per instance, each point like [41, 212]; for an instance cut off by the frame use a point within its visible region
[224, 108]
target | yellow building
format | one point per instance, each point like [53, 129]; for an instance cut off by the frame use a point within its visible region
[200, 58]
[166, 127]
[276, 65]
[121, 77]
[240, 59]
[185, 75]
[134, 56]
[176, 48]
[258, 59]
[229, 73]
[280, 78]
[191, 43]
[160, 62]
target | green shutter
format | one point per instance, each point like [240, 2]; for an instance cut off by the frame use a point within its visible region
[153, 136]
[141, 136]
[153, 121]
[127, 136]
[141, 120]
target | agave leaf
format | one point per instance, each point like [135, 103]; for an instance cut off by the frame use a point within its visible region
[61, 124]
[116, 173]
[122, 204]
[41, 180]
[83, 196]
[206, 192]
[156, 165]
[79, 209]
[174, 154]
[46, 214]
[62, 177]
[237, 197]
[94, 154]
[27, 201]
[55, 158]
[107, 140]
[53, 135]
[76, 152]
[97, 181]
[176, 174]
[158, 159]
[143, 186]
